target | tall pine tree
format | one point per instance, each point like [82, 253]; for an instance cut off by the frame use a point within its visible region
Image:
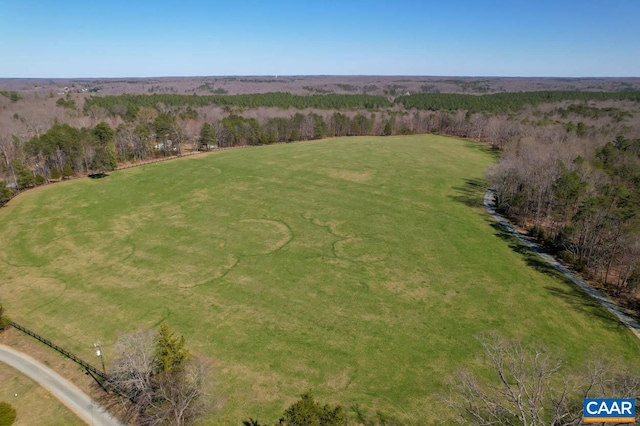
[169, 351]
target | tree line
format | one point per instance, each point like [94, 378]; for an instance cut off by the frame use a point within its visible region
[63, 150]
[128, 105]
[497, 103]
[582, 201]
[59, 153]
[561, 179]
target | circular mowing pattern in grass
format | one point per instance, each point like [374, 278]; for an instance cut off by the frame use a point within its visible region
[362, 269]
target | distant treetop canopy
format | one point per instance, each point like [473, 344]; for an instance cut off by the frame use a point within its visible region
[504, 102]
[128, 105]
[275, 99]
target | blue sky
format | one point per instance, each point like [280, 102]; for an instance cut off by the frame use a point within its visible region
[140, 38]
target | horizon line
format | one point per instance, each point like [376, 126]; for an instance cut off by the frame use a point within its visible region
[277, 76]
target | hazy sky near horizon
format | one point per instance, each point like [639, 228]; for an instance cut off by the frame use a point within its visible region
[142, 38]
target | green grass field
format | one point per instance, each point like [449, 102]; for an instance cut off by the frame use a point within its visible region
[361, 269]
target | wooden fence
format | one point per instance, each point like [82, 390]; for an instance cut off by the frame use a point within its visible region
[91, 370]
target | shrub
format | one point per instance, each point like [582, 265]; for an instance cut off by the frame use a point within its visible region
[537, 232]
[55, 173]
[4, 320]
[7, 414]
[67, 171]
[309, 412]
[5, 193]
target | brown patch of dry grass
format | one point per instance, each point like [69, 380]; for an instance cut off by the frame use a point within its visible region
[348, 175]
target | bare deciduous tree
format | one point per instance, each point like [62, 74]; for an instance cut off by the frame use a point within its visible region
[178, 398]
[151, 396]
[132, 372]
[532, 388]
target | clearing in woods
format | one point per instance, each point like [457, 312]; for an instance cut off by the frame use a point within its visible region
[358, 268]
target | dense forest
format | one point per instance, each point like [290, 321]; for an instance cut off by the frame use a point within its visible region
[569, 168]
[505, 102]
[129, 105]
[582, 201]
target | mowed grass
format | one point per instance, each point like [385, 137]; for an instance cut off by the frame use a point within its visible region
[362, 269]
[34, 405]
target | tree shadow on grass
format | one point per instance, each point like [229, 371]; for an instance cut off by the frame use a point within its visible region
[99, 175]
[483, 147]
[569, 292]
[530, 255]
[580, 301]
[471, 192]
